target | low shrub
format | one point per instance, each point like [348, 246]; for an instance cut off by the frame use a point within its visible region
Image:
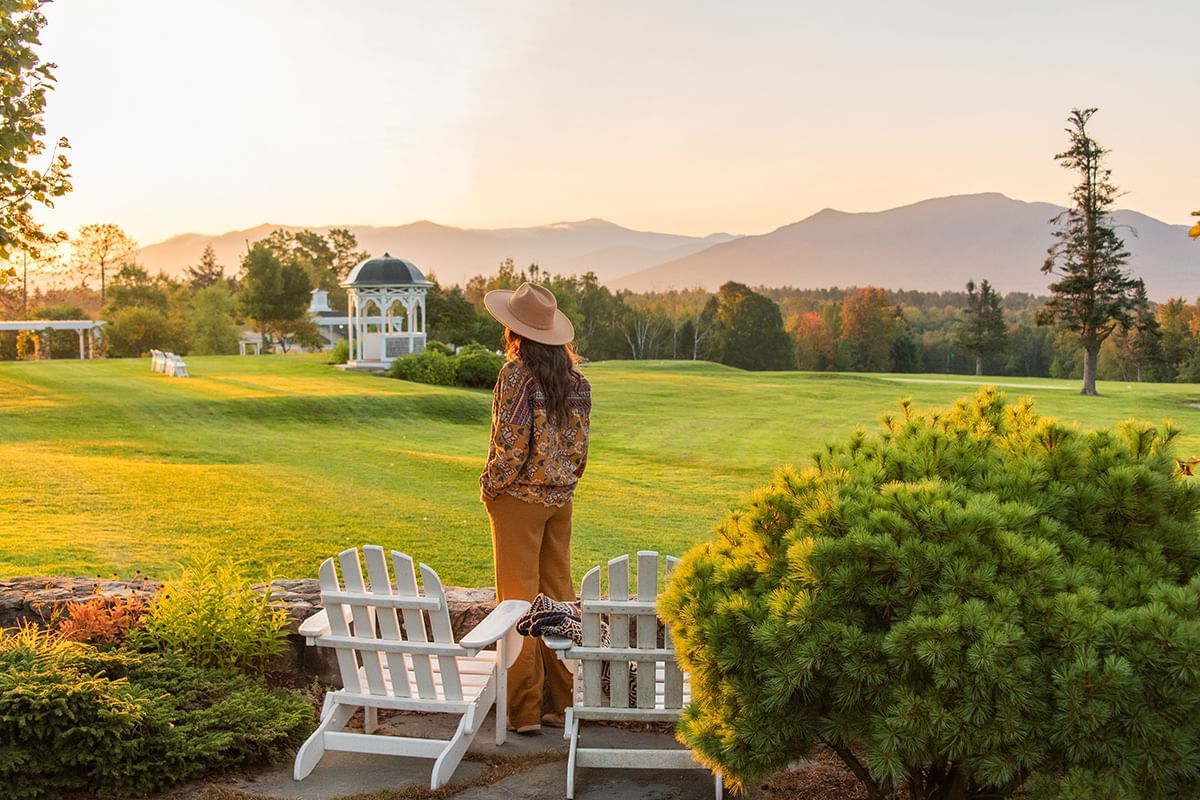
[428, 367]
[975, 602]
[74, 719]
[104, 621]
[434, 346]
[210, 615]
[340, 353]
[474, 366]
[478, 369]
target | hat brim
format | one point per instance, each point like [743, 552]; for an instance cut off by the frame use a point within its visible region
[561, 331]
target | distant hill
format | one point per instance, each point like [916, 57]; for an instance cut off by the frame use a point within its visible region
[455, 254]
[932, 245]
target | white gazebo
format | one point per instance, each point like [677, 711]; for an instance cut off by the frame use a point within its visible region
[386, 299]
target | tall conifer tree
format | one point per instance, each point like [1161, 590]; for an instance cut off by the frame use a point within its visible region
[1094, 293]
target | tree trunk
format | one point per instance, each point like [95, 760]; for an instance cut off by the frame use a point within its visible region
[978, 364]
[102, 282]
[1090, 356]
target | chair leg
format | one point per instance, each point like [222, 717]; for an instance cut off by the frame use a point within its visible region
[447, 762]
[334, 717]
[719, 780]
[573, 728]
[501, 693]
[370, 720]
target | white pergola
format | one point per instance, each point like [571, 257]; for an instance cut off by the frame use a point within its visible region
[386, 299]
[85, 328]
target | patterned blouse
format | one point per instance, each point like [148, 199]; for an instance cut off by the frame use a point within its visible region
[529, 458]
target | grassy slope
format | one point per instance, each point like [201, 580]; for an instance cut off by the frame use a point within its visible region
[108, 468]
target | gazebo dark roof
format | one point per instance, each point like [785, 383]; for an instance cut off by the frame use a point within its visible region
[386, 271]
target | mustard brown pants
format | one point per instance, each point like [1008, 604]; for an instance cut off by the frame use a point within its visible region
[531, 548]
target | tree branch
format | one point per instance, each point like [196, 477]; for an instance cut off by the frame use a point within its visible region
[874, 790]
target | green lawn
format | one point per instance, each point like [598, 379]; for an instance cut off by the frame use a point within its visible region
[111, 469]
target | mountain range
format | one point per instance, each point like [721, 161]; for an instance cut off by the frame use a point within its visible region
[456, 254]
[932, 245]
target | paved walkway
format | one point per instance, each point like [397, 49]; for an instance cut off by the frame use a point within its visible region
[528, 767]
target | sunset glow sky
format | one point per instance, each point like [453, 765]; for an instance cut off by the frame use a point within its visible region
[685, 117]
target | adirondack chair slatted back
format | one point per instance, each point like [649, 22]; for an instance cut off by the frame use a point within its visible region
[659, 679]
[383, 625]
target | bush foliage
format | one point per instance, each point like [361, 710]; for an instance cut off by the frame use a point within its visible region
[210, 616]
[76, 719]
[967, 603]
[474, 366]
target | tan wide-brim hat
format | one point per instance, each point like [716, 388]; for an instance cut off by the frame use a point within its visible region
[532, 312]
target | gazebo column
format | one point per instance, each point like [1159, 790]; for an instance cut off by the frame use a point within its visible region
[81, 355]
[351, 302]
[408, 308]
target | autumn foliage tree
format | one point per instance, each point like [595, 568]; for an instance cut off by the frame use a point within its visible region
[974, 602]
[868, 326]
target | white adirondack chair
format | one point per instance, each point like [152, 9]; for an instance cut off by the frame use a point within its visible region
[401, 663]
[156, 360]
[662, 687]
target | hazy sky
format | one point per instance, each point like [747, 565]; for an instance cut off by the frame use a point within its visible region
[687, 117]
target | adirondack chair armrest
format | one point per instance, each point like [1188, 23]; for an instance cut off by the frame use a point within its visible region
[317, 625]
[494, 626]
[559, 643]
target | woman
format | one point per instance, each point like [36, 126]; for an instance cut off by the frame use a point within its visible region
[540, 419]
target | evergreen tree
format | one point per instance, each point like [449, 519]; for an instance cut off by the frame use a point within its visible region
[207, 272]
[1143, 338]
[748, 330]
[1093, 293]
[24, 83]
[976, 602]
[981, 330]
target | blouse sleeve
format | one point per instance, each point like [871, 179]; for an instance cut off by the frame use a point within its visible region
[512, 431]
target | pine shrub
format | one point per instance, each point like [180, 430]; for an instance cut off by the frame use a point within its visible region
[74, 719]
[967, 603]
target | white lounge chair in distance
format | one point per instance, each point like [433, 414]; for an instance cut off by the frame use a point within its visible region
[405, 663]
[662, 688]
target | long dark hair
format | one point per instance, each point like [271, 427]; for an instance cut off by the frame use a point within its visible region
[554, 366]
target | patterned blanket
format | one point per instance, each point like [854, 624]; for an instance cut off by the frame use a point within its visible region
[559, 618]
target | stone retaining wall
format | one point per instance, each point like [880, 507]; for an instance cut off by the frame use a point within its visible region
[37, 600]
